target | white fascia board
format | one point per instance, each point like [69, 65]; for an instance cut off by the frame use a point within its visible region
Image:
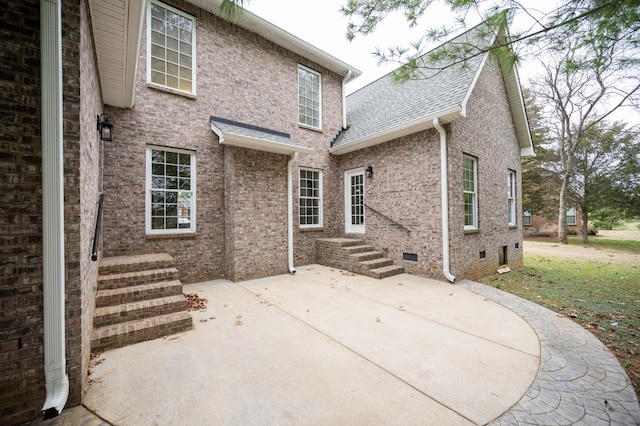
[248, 142]
[473, 84]
[527, 152]
[136, 14]
[414, 126]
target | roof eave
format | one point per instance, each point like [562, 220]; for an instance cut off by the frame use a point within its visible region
[518, 110]
[426, 122]
[243, 141]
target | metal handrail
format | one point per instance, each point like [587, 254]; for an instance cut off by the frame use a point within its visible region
[393, 221]
[96, 232]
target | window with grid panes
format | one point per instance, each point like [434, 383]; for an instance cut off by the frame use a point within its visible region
[310, 198]
[171, 190]
[511, 198]
[309, 97]
[470, 185]
[171, 50]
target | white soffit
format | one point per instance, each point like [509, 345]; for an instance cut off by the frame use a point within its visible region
[117, 29]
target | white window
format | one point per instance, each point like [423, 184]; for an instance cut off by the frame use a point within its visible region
[309, 97]
[171, 48]
[526, 218]
[310, 198]
[571, 216]
[511, 198]
[171, 191]
[470, 185]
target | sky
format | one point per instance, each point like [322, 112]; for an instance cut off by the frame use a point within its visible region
[321, 23]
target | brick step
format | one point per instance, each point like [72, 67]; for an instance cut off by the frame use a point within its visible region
[127, 333]
[127, 279]
[358, 249]
[136, 263]
[117, 296]
[116, 314]
[386, 271]
[376, 263]
[366, 255]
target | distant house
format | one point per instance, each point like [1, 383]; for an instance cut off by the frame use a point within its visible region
[538, 224]
[235, 151]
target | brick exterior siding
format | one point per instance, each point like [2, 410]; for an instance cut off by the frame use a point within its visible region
[242, 77]
[21, 358]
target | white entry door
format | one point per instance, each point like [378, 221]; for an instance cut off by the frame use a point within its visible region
[354, 201]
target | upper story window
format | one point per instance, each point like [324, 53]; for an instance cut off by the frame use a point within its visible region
[310, 198]
[171, 191]
[171, 48]
[511, 198]
[571, 216]
[470, 189]
[309, 97]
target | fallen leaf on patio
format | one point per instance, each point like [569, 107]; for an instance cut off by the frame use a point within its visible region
[203, 320]
[173, 338]
[195, 302]
[400, 284]
[212, 318]
[401, 308]
[347, 274]
[377, 319]
[239, 322]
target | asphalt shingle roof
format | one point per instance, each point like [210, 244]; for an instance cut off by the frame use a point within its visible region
[386, 104]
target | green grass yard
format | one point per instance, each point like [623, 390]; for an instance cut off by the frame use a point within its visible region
[603, 297]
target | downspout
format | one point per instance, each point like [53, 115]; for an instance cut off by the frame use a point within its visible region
[294, 156]
[56, 379]
[344, 99]
[446, 267]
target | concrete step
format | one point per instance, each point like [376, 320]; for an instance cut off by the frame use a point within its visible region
[141, 292]
[135, 263]
[366, 255]
[116, 314]
[126, 333]
[376, 263]
[358, 249]
[127, 279]
[386, 271]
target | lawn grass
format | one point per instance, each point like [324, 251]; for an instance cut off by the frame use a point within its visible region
[627, 246]
[602, 297]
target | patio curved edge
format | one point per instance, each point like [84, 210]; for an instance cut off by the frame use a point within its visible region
[579, 380]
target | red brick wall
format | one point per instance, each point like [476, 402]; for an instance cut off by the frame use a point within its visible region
[242, 77]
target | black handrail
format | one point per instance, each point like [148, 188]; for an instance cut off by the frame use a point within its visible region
[96, 233]
[396, 223]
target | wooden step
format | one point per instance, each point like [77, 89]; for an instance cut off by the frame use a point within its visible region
[116, 314]
[127, 279]
[386, 271]
[126, 333]
[136, 263]
[141, 292]
[366, 255]
[376, 263]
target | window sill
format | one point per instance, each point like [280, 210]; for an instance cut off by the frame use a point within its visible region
[318, 229]
[170, 90]
[511, 227]
[471, 231]
[182, 236]
[307, 127]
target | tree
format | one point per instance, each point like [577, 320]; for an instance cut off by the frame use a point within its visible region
[606, 171]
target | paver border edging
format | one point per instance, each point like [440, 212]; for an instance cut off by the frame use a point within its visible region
[579, 380]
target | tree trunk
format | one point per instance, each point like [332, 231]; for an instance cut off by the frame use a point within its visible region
[585, 228]
[562, 211]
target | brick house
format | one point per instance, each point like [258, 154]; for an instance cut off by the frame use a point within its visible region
[233, 153]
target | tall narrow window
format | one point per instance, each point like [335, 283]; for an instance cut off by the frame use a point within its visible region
[470, 185]
[309, 97]
[310, 198]
[511, 198]
[571, 216]
[171, 41]
[526, 218]
[171, 191]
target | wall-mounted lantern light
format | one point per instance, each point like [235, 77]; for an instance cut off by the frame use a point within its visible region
[105, 128]
[369, 172]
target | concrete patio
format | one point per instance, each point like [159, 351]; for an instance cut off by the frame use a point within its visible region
[328, 347]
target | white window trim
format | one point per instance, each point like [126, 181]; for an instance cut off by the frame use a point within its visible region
[300, 66]
[194, 67]
[512, 198]
[475, 193]
[574, 215]
[192, 228]
[320, 200]
[526, 215]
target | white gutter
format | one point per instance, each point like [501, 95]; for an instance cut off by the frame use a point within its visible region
[56, 379]
[344, 99]
[294, 156]
[446, 267]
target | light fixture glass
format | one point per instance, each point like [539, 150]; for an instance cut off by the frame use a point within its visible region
[105, 128]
